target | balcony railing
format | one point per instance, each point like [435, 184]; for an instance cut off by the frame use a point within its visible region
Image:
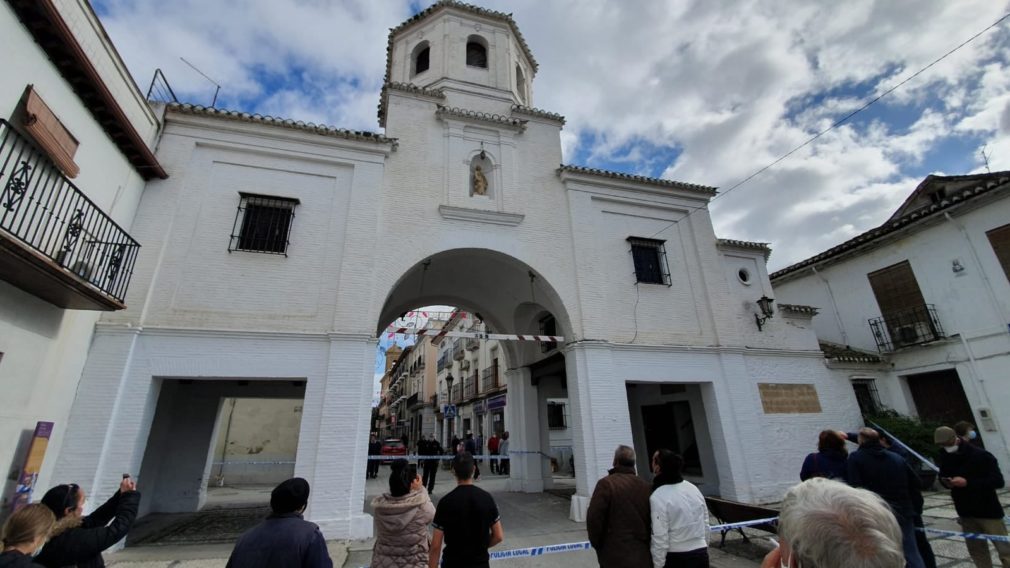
[457, 349]
[912, 326]
[487, 380]
[470, 387]
[456, 392]
[49, 225]
[472, 343]
[442, 361]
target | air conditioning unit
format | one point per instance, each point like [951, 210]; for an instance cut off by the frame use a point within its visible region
[911, 334]
[464, 364]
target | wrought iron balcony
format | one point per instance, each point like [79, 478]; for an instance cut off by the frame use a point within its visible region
[472, 343]
[489, 379]
[457, 349]
[456, 392]
[55, 243]
[470, 387]
[912, 326]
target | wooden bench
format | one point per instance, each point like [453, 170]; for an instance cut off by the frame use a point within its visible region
[735, 512]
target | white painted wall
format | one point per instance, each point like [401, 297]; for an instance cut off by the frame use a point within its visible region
[197, 311]
[45, 347]
[973, 307]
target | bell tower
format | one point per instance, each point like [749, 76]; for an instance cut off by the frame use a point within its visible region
[477, 57]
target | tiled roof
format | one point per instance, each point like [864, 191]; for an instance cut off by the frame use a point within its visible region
[405, 88]
[846, 354]
[185, 108]
[997, 180]
[745, 245]
[476, 10]
[799, 309]
[640, 179]
[530, 111]
[516, 123]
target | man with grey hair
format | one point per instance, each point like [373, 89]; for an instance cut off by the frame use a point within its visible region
[887, 474]
[827, 524]
[618, 519]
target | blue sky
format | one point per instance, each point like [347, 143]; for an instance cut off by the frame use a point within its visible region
[700, 91]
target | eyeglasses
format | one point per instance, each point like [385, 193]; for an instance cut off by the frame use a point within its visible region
[71, 497]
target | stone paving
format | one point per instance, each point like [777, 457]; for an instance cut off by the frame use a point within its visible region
[204, 540]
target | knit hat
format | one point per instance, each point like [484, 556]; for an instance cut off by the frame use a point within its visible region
[944, 435]
[289, 496]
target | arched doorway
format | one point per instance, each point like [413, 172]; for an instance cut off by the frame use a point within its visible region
[510, 301]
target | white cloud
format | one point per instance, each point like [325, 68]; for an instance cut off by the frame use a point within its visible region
[732, 85]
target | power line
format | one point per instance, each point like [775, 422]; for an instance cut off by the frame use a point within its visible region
[844, 119]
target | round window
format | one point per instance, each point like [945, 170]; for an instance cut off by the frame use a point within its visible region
[744, 275]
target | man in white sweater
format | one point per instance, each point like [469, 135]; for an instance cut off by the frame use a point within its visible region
[679, 516]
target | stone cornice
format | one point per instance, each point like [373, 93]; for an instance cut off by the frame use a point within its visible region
[357, 135]
[538, 113]
[108, 328]
[477, 116]
[480, 215]
[748, 245]
[421, 92]
[809, 311]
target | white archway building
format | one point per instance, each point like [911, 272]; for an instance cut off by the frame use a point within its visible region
[661, 345]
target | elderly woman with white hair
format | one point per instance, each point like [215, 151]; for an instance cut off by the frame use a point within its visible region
[827, 524]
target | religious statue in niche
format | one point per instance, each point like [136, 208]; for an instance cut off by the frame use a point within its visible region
[479, 181]
[480, 172]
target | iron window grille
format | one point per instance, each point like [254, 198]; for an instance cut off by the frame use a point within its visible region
[263, 224]
[867, 396]
[650, 261]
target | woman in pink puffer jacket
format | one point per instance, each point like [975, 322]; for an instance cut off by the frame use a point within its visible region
[401, 518]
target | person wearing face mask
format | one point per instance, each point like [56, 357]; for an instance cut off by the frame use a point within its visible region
[24, 533]
[966, 431]
[79, 540]
[973, 476]
[824, 523]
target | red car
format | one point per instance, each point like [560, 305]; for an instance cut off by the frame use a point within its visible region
[392, 447]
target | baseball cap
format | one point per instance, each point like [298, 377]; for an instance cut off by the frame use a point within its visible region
[944, 435]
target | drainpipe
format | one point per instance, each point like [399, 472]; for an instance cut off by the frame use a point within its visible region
[224, 447]
[834, 305]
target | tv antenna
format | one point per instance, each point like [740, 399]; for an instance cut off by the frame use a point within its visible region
[216, 91]
[985, 157]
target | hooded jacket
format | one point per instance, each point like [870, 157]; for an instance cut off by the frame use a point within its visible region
[401, 529]
[80, 542]
[15, 559]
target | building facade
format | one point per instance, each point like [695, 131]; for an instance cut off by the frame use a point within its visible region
[923, 304]
[262, 275]
[75, 150]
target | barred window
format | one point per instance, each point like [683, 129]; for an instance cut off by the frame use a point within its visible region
[263, 224]
[650, 261]
[866, 395]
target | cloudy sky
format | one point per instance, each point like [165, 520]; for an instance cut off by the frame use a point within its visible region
[702, 91]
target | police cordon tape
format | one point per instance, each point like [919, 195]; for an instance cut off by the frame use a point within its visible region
[413, 457]
[584, 545]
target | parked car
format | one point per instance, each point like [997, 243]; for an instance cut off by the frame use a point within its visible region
[392, 447]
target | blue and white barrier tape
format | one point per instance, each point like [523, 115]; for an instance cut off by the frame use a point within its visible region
[964, 535]
[415, 457]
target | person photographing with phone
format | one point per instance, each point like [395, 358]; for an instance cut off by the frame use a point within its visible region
[78, 540]
[973, 476]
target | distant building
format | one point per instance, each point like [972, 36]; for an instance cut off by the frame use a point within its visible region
[914, 314]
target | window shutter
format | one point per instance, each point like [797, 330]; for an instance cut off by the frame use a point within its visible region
[50, 134]
[1000, 240]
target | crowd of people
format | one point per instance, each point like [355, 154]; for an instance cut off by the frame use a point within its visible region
[858, 509]
[884, 468]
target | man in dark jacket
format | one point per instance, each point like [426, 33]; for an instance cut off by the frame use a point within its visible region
[888, 475]
[470, 446]
[973, 476]
[284, 539]
[374, 449]
[430, 447]
[79, 541]
[618, 520]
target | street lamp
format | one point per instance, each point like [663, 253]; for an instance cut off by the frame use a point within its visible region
[765, 304]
